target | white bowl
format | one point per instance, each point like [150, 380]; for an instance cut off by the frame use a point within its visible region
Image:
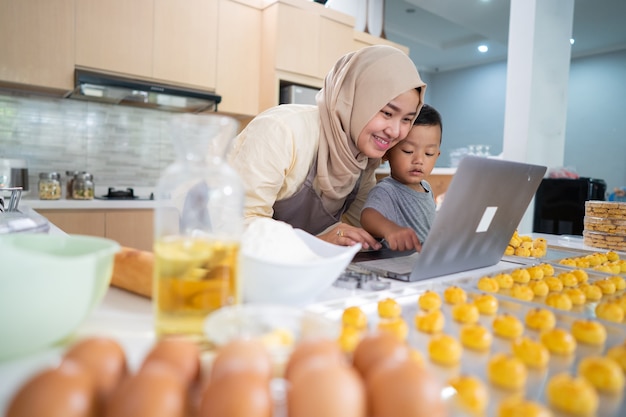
[48, 286]
[295, 284]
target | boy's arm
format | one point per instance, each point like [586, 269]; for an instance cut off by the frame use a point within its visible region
[398, 238]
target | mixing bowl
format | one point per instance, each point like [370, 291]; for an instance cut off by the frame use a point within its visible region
[48, 286]
[294, 283]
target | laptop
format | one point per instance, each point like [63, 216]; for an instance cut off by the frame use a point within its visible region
[483, 206]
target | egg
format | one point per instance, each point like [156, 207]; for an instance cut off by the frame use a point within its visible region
[378, 347]
[311, 353]
[242, 356]
[238, 394]
[334, 390]
[157, 390]
[67, 391]
[106, 361]
[404, 388]
[182, 354]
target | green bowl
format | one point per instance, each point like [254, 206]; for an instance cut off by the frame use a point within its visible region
[48, 286]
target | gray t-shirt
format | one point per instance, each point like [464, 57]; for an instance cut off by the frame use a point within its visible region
[403, 205]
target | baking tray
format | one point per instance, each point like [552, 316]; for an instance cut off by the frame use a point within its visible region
[473, 362]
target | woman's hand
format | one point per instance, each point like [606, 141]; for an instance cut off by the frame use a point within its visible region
[403, 238]
[346, 235]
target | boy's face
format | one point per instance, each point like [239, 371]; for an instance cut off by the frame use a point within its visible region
[414, 158]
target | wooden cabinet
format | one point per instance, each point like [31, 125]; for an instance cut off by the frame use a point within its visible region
[302, 40]
[37, 43]
[79, 222]
[168, 40]
[239, 57]
[133, 227]
[185, 41]
[115, 35]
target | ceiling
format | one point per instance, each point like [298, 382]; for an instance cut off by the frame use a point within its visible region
[443, 35]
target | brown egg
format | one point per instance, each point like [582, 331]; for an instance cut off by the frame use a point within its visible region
[156, 391]
[237, 394]
[312, 353]
[106, 361]
[67, 391]
[378, 347]
[242, 356]
[404, 389]
[182, 354]
[334, 390]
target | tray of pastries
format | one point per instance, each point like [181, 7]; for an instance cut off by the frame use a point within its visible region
[494, 352]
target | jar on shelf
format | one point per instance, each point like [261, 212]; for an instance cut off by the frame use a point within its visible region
[49, 186]
[83, 187]
[69, 175]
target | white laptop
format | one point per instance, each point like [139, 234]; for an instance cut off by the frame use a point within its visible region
[483, 206]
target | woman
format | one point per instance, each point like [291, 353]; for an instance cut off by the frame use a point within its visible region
[313, 165]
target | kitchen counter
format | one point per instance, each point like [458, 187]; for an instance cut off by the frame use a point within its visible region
[128, 319]
[31, 200]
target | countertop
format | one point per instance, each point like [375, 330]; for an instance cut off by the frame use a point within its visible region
[128, 319]
[142, 202]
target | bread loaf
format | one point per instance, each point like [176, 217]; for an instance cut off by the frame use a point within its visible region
[132, 271]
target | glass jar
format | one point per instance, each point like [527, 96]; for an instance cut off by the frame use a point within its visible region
[49, 186]
[198, 225]
[83, 187]
[69, 186]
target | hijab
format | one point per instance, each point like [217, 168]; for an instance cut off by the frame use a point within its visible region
[357, 87]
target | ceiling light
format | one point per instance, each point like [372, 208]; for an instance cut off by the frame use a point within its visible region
[571, 41]
[483, 48]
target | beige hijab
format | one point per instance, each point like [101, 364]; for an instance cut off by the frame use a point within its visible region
[358, 86]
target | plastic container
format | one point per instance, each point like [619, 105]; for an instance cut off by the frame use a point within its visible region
[49, 186]
[83, 186]
[607, 225]
[198, 227]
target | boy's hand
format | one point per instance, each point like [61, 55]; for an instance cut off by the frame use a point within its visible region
[403, 239]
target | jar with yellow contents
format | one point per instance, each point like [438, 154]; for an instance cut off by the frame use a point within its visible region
[49, 186]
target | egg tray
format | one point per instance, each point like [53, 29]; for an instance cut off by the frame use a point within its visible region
[586, 310]
[474, 362]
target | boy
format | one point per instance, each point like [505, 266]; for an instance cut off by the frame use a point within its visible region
[401, 207]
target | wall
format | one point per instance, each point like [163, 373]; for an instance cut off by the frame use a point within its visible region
[471, 102]
[121, 146]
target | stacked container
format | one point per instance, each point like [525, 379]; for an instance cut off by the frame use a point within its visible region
[605, 225]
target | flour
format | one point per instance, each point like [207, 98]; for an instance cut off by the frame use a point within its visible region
[275, 241]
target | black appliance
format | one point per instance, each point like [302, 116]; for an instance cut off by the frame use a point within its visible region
[560, 204]
[125, 194]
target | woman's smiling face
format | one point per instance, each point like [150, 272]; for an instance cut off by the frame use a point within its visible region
[389, 126]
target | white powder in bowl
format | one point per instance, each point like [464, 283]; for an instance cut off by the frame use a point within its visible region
[275, 241]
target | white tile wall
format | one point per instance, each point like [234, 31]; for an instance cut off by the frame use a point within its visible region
[119, 145]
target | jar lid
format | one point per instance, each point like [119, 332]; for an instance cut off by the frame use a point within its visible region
[83, 176]
[49, 176]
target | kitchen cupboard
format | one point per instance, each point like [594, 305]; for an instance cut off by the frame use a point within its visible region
[129, 227]
[115, 35]
[37, 43]
[301, 42]
[161, 39]
[238, 57]
[185, 41]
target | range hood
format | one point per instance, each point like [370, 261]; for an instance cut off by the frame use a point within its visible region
[114, 89]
